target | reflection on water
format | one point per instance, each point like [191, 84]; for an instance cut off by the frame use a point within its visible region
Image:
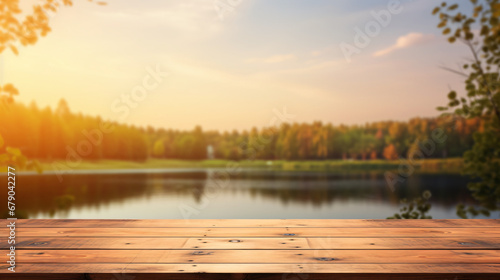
[193, 193]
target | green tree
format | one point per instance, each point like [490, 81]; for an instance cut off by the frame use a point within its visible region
[159, 149]
[366, 144]
[482, 98]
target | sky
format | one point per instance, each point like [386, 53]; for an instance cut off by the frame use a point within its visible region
[232, 64]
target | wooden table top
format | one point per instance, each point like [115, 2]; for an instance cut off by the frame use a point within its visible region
[255, 246]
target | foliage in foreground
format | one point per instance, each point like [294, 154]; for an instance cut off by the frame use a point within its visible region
[415, 209]
[482, 98]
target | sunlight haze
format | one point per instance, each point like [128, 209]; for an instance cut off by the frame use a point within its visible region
[230, 72]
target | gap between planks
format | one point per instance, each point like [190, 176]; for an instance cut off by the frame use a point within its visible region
[291, 223]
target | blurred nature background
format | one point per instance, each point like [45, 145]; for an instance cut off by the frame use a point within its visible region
[251, 109]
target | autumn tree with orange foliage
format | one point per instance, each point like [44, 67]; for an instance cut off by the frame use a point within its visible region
[390, 152]
[47, 133]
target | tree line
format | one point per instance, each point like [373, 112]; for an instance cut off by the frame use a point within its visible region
[51, 134]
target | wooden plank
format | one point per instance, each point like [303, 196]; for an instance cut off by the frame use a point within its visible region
[252, 243]
[135, 276]
[246, 276]
[123, 269]
[298, 276]
[263, 246]
[486, 232]
[259, 256]
[116, 223]
[51, 276]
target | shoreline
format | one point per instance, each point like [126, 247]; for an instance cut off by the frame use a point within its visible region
[449, 165]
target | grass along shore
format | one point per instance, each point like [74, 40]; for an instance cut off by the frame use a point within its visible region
[448, 165]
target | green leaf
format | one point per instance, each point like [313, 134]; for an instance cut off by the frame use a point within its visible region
[426, 194]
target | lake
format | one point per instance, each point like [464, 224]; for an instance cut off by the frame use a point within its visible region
[251, 193]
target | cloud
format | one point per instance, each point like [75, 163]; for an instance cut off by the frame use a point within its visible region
[406, 41]
[273, 59]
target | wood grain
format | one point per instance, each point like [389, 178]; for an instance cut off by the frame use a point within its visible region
[259, 256]
[276, 249]
[487, 232]
[248, 276]
[109, 243]
[259, 268]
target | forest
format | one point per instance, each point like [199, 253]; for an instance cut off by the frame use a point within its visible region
[51, 134]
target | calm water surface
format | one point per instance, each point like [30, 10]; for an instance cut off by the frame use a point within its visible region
[197, 194]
